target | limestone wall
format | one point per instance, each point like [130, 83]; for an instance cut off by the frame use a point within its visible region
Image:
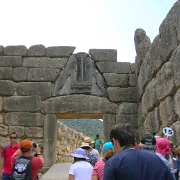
[157, 71]
[68, 141]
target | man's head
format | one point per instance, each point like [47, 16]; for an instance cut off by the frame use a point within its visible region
[122, 135]
[13, 138]
[26, 146]
[148, 141]
[97, 136]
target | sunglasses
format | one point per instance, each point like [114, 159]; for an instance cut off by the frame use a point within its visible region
[13, 137]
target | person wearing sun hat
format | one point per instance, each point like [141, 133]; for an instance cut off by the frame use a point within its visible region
[25, 151]
[108, 152]
[80, 169]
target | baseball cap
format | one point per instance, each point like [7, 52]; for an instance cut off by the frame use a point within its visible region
[148, 139]
[26, 144]
[108, 145]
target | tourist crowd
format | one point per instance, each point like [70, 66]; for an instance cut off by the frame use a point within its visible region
[153, 158]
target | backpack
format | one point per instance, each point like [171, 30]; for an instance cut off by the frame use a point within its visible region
[22, 169]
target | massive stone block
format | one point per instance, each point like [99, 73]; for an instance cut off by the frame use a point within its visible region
[79, 104]
[7, 87]
[10, 61]
[22, 103]
[35, 132]
[42, 89]
[1, 50]
[42, 74]
[132, 80]
[114, 67]
[152, 122]
[37, 50]
[103, 54]
[167, 112]
[24, 119]
[165, 81]
[117, 94]
[20, 50]
[18, 129]
[80, 76]
[44, 62]
[60, 51]
[50, 139]
[176, 65]
[128, 108]
[131, 119]
[176, 127]
[142, 45]
[1, 101]
[116, 80]
[109, 121]
[3, 130]
[6, 73]
[20, 74]
[177, 103]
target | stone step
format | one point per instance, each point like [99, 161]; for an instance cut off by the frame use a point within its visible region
[57, 172]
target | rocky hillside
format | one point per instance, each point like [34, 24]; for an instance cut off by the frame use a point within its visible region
[89, 127]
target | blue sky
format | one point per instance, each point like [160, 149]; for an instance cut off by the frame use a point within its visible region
[85, 24]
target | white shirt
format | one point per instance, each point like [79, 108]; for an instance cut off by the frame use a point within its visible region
[81, 170]
[96, 153]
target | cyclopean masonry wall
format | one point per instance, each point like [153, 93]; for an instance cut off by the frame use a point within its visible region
[157, 71]
[40, 85]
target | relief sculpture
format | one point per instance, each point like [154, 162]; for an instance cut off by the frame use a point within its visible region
[80, 76]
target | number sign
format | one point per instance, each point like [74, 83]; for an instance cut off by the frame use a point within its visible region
[168, 131]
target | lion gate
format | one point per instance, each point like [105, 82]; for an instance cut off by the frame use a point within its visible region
[39, 85]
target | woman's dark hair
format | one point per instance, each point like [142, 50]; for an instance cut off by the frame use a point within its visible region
[79, 159]
[124, 134]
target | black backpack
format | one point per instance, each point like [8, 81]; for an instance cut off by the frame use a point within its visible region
[22, 169]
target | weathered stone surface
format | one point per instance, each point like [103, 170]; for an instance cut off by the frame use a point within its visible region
[50, 138]
[15, 50]
[42, 89]
[132, 80]
[109, 121]
[37, 50]
[142, 45]
[149, 98]
[18, 129]
[177, 103]
[176, 65]
[117, 94]
[24, 119]
[1, 102]
[7, 87]
[60, 51]
[44, 62]
[133, 68]
[1, 50]
[167, 112]
[3, 130]
[35, 132]
[176, 127]
[19, 103]
[113, 67]
[165, 81]
[169, 32]
[6, 73]
[116, 80]
[128, 108]
[141, 115]
[42, 74]
[79, 104]
[80, 76]
[1, 119]
[152, 121]
[145, 75]
[20, 74]
[131, 119]
[103, 54]
[10, 61]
